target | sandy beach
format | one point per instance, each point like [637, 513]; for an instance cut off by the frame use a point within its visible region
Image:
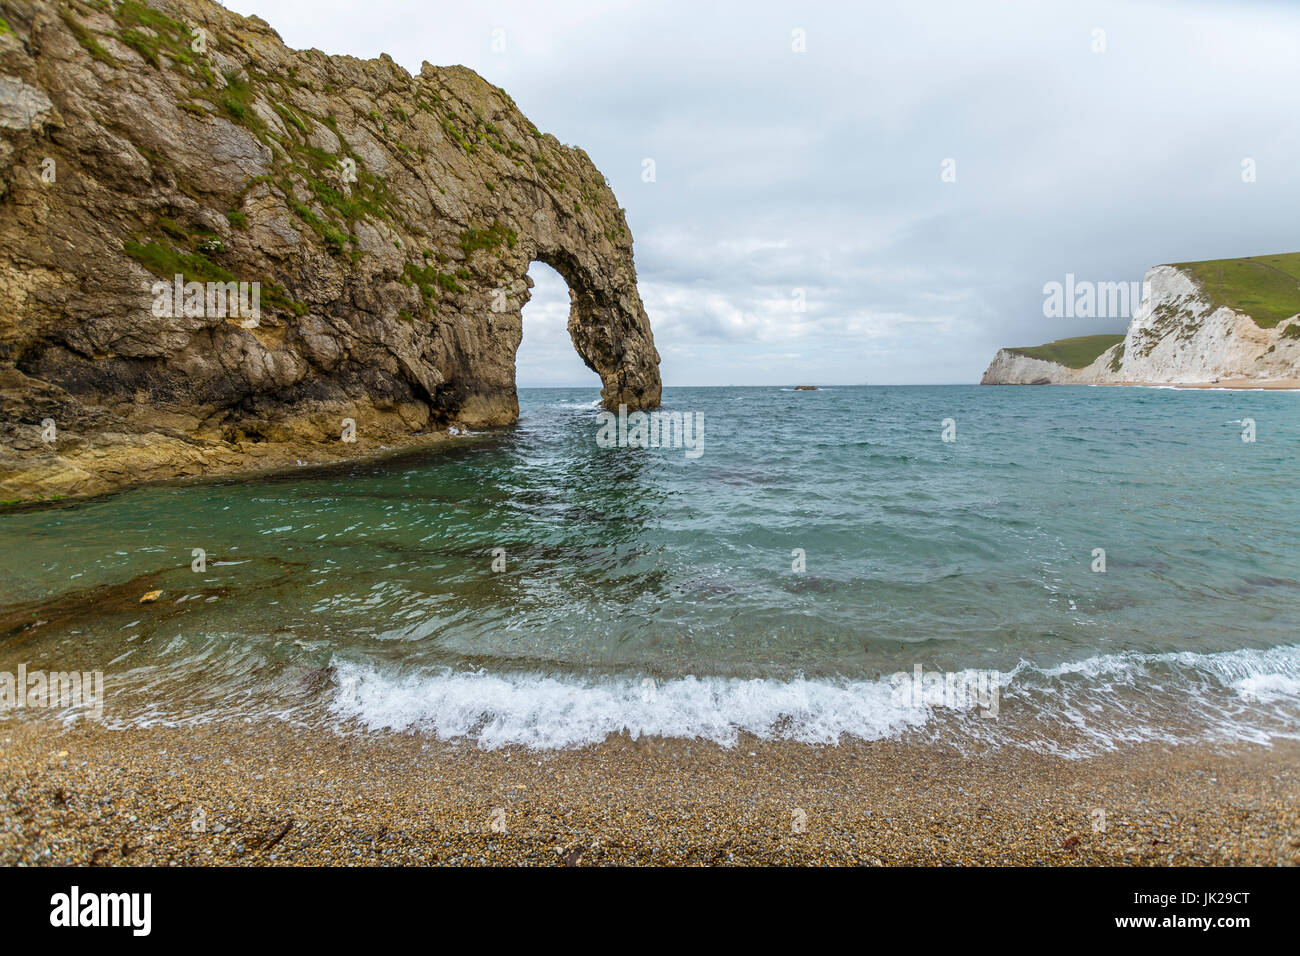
[1236, 384]
[279, 795]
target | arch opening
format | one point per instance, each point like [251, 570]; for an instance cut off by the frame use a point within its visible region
[547, 356]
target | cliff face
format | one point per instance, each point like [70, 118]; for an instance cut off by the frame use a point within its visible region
[383, 226]
[1178, 335]
[1011, 368]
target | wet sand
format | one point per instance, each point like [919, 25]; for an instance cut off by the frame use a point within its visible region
[279, 795]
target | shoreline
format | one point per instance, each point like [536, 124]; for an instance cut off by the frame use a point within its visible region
[1230, 384]
[279, 460]
[1226, 385]
[276, 794]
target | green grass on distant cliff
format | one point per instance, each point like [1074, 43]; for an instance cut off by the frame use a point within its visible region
[1267, 288]
[1078, 352]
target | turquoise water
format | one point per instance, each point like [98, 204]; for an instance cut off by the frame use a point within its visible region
[649, 591]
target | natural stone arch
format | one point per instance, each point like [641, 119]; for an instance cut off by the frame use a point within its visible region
[607, 325]
[609, 330]
[380, 212]
[588, 244]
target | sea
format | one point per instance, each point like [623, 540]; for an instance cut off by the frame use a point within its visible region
[1066, 569]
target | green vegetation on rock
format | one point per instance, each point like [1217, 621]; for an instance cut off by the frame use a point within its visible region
[429, 280]
[87, 39]
[1267, 288]
[493, 237]
[165, 262]
[1078, 352]
[153, 34]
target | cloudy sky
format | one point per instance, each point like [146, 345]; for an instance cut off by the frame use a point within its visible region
[1090, 138]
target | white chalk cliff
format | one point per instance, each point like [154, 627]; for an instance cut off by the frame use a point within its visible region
[1176, 337]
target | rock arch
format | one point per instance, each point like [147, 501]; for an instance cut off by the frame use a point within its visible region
[609, 329]
[389, 219]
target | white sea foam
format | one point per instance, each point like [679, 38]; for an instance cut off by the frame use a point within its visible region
[1131, 668]
[545, 712]
[1103, 701]
[1269, 687]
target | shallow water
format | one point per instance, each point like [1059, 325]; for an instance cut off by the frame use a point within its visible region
[648, 591]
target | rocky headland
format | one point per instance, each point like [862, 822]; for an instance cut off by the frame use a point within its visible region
[218, 254]
[1230, 322]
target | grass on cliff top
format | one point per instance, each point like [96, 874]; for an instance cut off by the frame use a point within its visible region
[1267, 288]
[1078, 352]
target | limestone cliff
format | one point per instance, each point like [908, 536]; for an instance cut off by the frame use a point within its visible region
[382, 224]
[1184, 332]
[1011, 367]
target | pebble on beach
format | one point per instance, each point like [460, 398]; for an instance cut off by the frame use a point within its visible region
[280, 795]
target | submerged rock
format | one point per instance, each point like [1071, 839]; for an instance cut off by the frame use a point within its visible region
[352, 244]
